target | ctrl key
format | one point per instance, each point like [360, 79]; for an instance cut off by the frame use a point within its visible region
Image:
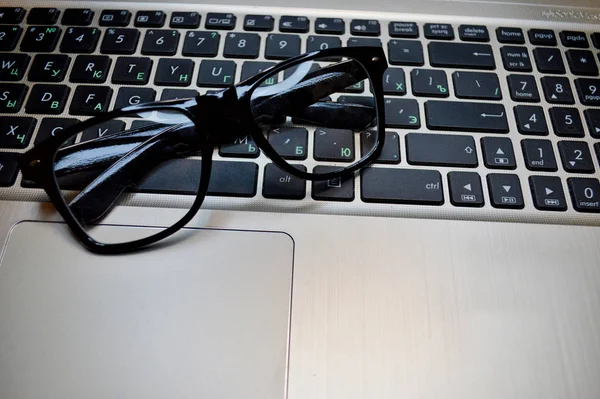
[585, 194]
[402, 186]
[9, 167]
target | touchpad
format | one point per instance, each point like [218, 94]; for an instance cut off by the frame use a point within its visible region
[205, 317]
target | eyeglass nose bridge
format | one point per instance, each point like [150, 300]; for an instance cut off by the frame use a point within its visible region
[219, 115]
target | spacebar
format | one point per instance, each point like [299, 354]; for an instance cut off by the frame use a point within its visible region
[466, 116]
[402, 186]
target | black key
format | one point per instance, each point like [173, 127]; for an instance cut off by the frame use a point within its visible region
[16, 131]
[104, 129]
[336, 145]
[216, 73]
[542, 37]
[439, 31]
[531, 120]
[40, 39]
[12, 66]
[441, 149]
[547, 192]
[465, 116]
[150, 19]
[478, 85]
[11, 15]
[11, 97]
[361, 100]
[77, 17]
[90, 100]
[498, 153]
[574, 39]
[596, 39]
[259, 23]
[557, 90]
[280, 184]
[402, 186]
[80, 40]
[289, 142]
[576, 157]
[216, 20]
[294, 24]
[52, 126]
[316, 43]
[115, 18]
[43, 16]
[405, 52]
[9, 168]
[523, 88]
[402, 113]
[174, 72]
[465, 189]
[251, 68]
[581, 62]
[332, 26]
[588, 91]
[336, 189]
[390, 153]
[364, 27]
[244, 147]
[585, 194]
[201, 44]
[394, 82]
[592, 117]
[90, 69]
[549, 60]
[176, 94]
[539, 155]
[9, 36]
[363, 42]
[510, 35]
[473, 33]
[49, 68]
[242, 45]
[187, 20]
[566, 122]
[120, 41]
[429, 82]
[516, 59]
[505, 191]
[281, 47]
[47, 99]
[407, 30]
[134, 95]
[132, 70]
[461, 55]
[160, 42]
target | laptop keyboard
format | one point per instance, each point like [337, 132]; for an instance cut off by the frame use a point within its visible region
[483, 121]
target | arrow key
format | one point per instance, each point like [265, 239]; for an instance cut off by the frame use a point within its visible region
[531, 120]
[576, 157]
[465, 189]
[498, 153]
[547, 192]
[592, 117]
[505, 191]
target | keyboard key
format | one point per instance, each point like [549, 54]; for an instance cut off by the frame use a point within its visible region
[510, 35]
[160, 42]
[185, 20]
[331, 26]
[585, 194]
[174, 72]
[132, 70]
[216, 73]
[293, 24]
[402, 113]
[405, 30]
[363, 42]
[90, 100]
[581, 62]
[12, 66]
[47, 99]
[176, 94]
[9, 36]
[473, 33]
[574, 39]
[588, 91]
[201, 44]
[120, 41]
[439, 31]
[289, 142]
[51, 126]
[523, 88]
[596, 39]
[80, 40]
[566, 122]
[281, 47]
[576, 157]
[259, 23]
[542, 37]
[9, 168]
[16, 131]
[466, 116]
[465, 189]
[539, 155]
[547, 192]
[115, 18]
[405, 52]
[90, 69]
[557, 90]
[505, 191]
[216, 20]
[49, 68]
[104, 129]
[244, 147]
[251, 68]
[429, 82]
[592, 117]
[336, 189]
[390, 153]
[11, 15]
[549, 60]
[461, 55]
[11, 97]
[316, 43]
[394, 82]
[516, 59]
[531, 120]
[77, 17]
[134, 95]
[402, 186]
[498, 153]
[441, 150]
[40, 39]
[150, 19]
[242, 45]
[364, 27]
[283, 185]
[335, 145]
[478, 85]
[43, 16]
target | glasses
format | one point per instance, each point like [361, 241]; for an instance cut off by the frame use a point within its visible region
[105, 161]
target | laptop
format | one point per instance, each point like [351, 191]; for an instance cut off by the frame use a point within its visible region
[468, 266]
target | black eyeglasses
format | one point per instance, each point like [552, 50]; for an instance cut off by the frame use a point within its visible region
[85, 175]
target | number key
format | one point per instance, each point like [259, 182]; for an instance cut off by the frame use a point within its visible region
[566, 122]
[539, 155]
[585, 194]
[557, 90]
[523, 88]
[576, 157]
[160, 42]
[80, 40]
[588, 91]
[242, 45]
[316, 43]
[280, 47]
[531, 120]
[40, 39]
[9, 36]
[201, 44]
[120, 41]
[429, 82]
